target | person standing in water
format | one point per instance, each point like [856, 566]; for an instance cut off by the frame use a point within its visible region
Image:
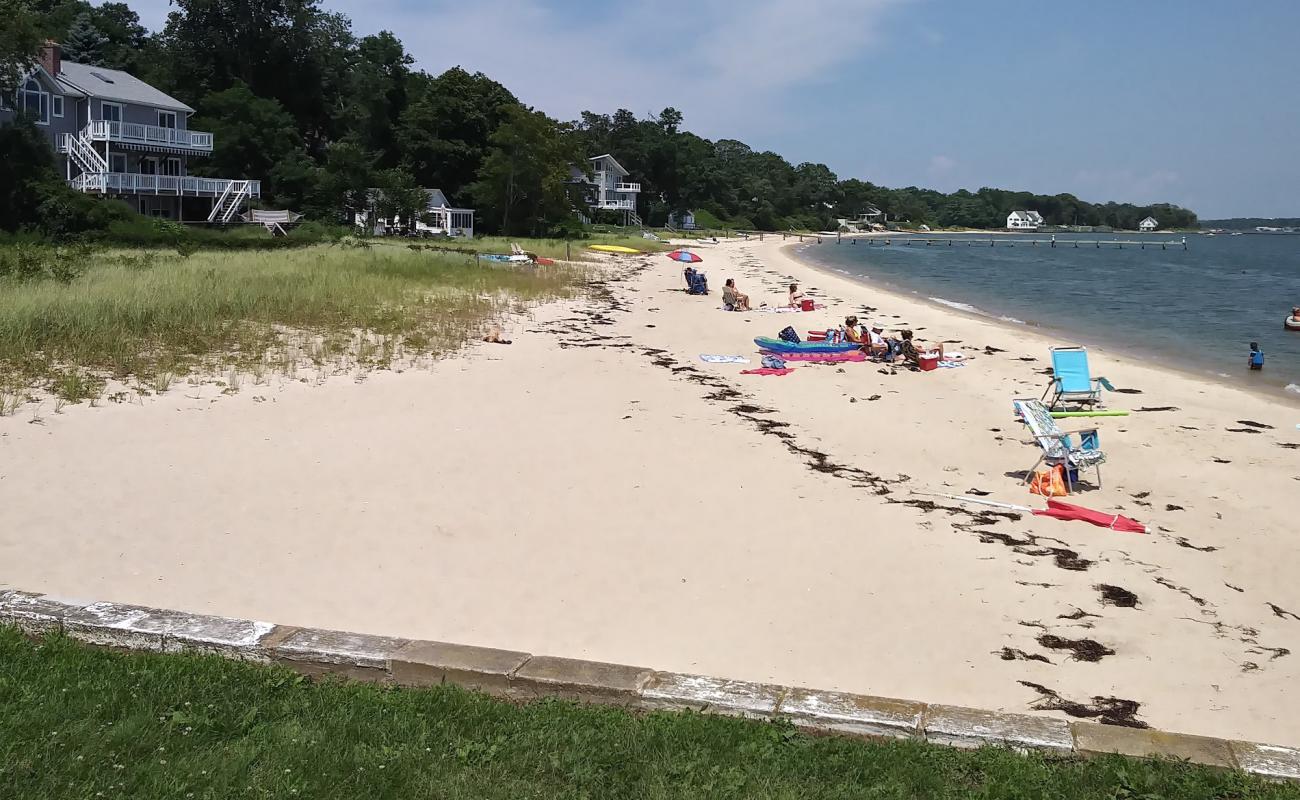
[1256, 356]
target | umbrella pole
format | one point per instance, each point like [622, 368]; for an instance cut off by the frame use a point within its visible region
[964, 499]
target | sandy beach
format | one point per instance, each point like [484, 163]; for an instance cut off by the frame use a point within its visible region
[595, 490]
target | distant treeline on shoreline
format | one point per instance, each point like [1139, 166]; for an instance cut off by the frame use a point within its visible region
[1251, 223]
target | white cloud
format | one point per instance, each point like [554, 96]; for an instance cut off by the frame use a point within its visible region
[719, 62]
[941, 164]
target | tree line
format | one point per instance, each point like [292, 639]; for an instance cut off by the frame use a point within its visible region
[297, 99]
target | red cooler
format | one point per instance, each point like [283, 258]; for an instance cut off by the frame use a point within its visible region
[806, 304]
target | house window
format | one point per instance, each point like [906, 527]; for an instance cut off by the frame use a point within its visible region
[36, 102]
[56, 104]
[172, 166]
[111, 112]
[166, 119]
[117, 162]
[149, 166]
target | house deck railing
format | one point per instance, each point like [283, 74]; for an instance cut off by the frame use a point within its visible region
[617, 205]
[180, 185]
[627, 187]
[102, 130]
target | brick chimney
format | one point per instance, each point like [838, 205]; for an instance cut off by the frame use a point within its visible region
[52, 57]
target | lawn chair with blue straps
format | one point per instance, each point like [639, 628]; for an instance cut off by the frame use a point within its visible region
[1072, 381]
[1057, 445]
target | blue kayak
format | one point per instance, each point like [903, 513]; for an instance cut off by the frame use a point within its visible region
[782, 346]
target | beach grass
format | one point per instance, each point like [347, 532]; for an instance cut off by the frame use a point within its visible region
[574, 249]
[81, 722]
[72, 317]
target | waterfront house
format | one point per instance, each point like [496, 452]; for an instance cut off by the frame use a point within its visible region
[1024, 220]
[1148, 225]
[607, 188]
[684, 221]
[117, 136]
[439, 217]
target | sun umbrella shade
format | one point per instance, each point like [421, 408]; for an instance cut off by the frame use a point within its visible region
[1116, 522]
[685, 256]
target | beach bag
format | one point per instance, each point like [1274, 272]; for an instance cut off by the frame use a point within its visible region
[1049, 482]
[773, 362]
[789, 335]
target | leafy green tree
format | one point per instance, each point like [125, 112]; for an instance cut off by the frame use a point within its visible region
[343, 184]
[400, 196]
[443, 134]
[20, 43]
[523, 186]
[85, 43]
[254, 136]
[376, 94]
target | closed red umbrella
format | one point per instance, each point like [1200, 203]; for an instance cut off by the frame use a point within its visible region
[1058, 510]
[1116, 522]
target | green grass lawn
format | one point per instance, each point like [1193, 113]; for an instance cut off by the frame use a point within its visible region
[71, 317]
[76, 722]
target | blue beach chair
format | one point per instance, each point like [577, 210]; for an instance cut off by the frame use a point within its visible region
[1072, 381]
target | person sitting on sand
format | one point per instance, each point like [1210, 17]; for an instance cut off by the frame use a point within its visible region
[876, 346]
[733, 300]
[912, 349]
[795, 295]
[851, 332]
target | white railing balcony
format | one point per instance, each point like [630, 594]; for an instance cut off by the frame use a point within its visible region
[178, 185]
[627, 187]
[615, 205]
[102, 130]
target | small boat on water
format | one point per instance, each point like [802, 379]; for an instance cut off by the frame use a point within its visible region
[1292, 323]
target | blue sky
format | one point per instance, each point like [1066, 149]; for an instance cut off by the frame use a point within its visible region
[1193, 102]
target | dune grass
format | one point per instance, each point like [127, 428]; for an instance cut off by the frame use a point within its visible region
[575, 249]
[80, 722]
[78, 316]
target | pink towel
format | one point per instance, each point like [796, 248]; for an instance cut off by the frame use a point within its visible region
[766, 371]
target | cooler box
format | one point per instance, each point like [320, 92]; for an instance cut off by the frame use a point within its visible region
[816, 336]
[929, 362]
[806, 304]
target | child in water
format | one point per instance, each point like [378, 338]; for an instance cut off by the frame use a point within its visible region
[1256, 356]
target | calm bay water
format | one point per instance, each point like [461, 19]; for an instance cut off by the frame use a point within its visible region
[1199, 308]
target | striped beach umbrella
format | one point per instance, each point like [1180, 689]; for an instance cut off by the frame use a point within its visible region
[685, 256]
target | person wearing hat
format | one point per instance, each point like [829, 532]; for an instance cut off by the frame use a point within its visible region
[876, 345]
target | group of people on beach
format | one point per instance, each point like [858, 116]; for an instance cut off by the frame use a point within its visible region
[735, 300]
[903, 347]
[890, 349]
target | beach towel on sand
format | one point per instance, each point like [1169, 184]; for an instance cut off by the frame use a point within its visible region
[767, 371]
[712, 359]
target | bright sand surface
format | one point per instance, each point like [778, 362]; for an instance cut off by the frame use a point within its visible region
[596, 491]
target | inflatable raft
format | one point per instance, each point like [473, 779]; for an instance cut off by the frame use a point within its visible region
[782, 346]
[1291, 323]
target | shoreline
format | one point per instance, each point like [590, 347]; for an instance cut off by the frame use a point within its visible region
[599, 491]
[1051, 335]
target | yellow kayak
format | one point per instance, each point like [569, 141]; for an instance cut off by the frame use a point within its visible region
[612, 248]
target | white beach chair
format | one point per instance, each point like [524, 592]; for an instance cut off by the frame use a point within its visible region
[1056, 444]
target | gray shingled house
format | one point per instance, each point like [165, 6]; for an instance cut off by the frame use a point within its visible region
[117, 136]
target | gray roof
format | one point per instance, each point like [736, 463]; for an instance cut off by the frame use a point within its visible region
[114, 84]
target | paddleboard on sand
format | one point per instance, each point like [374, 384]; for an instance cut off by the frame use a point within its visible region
[782, 346]
[612, 248]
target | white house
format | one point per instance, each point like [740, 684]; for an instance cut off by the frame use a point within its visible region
[439, 217]
[609, 189]
[1147, 225]
[1024, 220]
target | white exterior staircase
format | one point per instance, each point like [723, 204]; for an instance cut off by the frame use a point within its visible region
[83, 153]
[634, 220]
[227, 205]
